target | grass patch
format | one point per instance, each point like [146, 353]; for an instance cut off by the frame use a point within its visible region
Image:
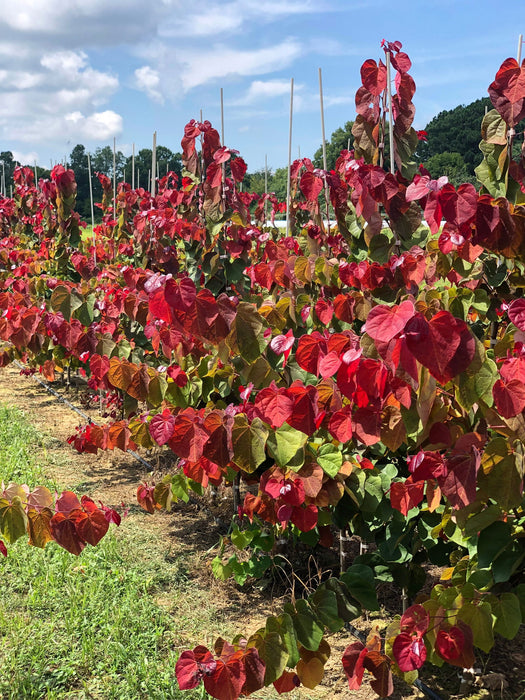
[91, 626]
[20, 445]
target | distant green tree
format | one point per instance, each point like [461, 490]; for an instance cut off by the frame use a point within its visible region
[452, 165]
[166, 160]
[7, 167]
[78, 163]
[254, 182]
[339, 140]
[456, 130]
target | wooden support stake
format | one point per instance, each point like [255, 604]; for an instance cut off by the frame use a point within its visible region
[520, 44]
[153, 164]
[265, 186]
[390, 118]
[222, 144]
[92, 211]
[289, 162]
[325, 167]
[133, 168]
[114, 178]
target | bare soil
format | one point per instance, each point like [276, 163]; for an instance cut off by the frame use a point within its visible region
[192, 529]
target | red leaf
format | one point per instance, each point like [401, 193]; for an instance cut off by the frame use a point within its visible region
[459, 485]
[3, 549]
[67, 502]
[450, 643]
[64, 531]
[324, 311]
[189, 436]
[310, 350]
[444, 344]
[273, 405]
[287, 682]
[516, 313]
[91, 523]
[304, 408]
[162, 426]
[227, 681]
[340, 424]
[238, 168]
[409, 651]
[385, 322]
[145, 498]
[353, 657]
[507, 92]
[255, 669]
[415, 620]
[311, 186]
[379, 666]
[329, 364]
[367, 425]
[373, 76]
[509, 397]
[304, 518]
[192, 665]
[405, 495]
[459, 206]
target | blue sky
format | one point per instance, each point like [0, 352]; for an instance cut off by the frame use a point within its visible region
[86, 71]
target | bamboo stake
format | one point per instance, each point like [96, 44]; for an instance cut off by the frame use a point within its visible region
[114, 177]
[36, 175]
[325, 167]
[133, 168]
[153, 163]
[222, 143]
[289, 162]
[92, 211]
[138, 178]
[390, 119]
[265, 186]
[520, 44]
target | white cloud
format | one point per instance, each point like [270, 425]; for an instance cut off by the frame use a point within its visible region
[27, 158]
[262, 90]
[214, 18]
[200, 67]
[148, 80]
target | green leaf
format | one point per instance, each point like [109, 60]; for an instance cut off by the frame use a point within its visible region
[65, 300]
[324, 604]
[179, 487]
[287, 632]
[248, 440]
[249, 329]
[286, 446]
[330, 459]
[491, 543]
[348, 608]
[307, 628]
[86, 311]
[241, 539]
[503, 483]
[479, 619]
[361, 583]
[479, 521]
[222, 571]
[508, 615]
[13, 519]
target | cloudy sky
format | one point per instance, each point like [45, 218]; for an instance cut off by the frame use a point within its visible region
[86, 71]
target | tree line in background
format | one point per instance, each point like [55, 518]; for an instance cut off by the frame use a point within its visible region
[451, 149]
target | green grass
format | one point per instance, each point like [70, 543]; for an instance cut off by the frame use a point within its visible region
[20, 445]
[91, 626]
